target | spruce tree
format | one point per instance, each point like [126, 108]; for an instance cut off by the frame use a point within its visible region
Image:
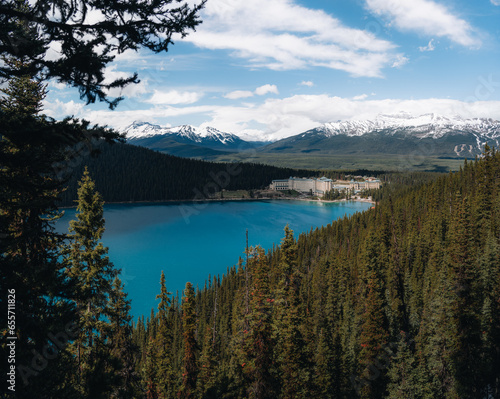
[405, 381]
[149, 372]
[326, 378]
[124, 350]
[374, 339]
[29, 257]
[89, 267]
[463, 331]
[207, 378]
[489, 263]
[190, 366]
[163, 344]
[258, 343]
[291, 346]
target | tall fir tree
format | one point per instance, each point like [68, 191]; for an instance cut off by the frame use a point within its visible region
[207, 378]
[29, 259]
[463, 330]
[291, 345]
[258, 343]
[374, 338]
[165, 380]
[190, 366]
[89, 267]
[124, 350]
[405, 374]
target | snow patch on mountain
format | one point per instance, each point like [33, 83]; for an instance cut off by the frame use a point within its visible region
[422, 126]
[141, 130]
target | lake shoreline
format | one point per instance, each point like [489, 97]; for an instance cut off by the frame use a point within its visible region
[196, 200]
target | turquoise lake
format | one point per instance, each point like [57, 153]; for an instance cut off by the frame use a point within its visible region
[189, 241]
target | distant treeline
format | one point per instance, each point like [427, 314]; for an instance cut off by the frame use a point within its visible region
[125, 173]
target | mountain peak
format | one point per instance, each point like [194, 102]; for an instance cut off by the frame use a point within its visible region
[203, 135]
[425, 125]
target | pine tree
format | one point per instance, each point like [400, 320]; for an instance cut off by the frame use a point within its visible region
[258, 345]
[463, 330]
[207, 379]
[29, 258]
[291, 346]
[374, 339]
[92, 272]
[149, 372]
[124, 350]
[489, 264]
[404, 374]
[163, 343]
[190, 367]
[326, 378]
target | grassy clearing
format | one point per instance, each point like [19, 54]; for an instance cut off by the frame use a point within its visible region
[397, 163]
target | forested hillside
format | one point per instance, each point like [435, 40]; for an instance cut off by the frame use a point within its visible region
[402, 301]
[124, 172]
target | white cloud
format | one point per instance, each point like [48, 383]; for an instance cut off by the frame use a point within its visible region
[495, 2]
[428, 17]
[400, 61]
[237, 94]
[307, 83]
[59, 109]
[57, 85]
[282, 35]
[429, 47]
[132, 90]
[260, 91]
[174, 97]
[263, 90]
[279, 118]
[296, 114]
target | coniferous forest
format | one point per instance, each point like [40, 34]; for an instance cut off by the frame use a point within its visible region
[400, 301]
[125, 172]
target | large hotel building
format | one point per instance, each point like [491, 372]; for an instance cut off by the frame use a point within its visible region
[322, 185]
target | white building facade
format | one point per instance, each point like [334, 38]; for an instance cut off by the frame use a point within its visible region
[322, 185]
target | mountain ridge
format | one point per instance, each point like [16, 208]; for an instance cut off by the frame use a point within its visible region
[400, 134]
[424, 125]
[185, 140]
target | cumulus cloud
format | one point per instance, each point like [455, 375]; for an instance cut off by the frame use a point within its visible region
[263, 90]
[237, 94]
[279, 118]
[282, 35]
[57, 85]
[428, 17]
[429, 47]
[260, 91]
[307, 83]
[59, 109]
[174, 97]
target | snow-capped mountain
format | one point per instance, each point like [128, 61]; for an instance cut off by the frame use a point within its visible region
[185, 140]
[397, 134]
[427, 125]
[141, 130]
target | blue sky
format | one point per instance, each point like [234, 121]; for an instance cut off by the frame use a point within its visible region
[273, 68]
